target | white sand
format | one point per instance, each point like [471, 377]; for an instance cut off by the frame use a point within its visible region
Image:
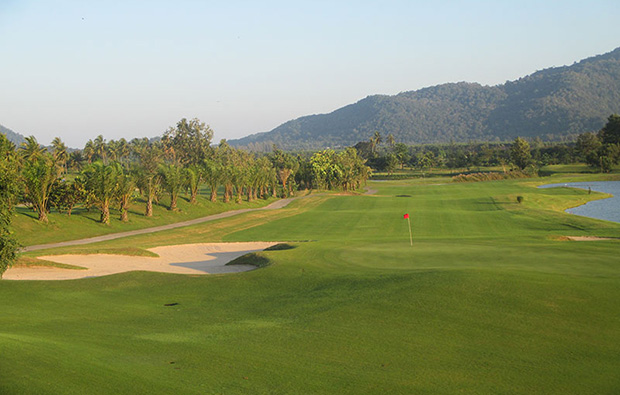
[588, 238]
[207, 258]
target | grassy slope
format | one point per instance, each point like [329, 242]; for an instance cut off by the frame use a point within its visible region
[485, 302]
[83, 223]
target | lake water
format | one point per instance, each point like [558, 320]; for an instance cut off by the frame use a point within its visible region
[607, 209]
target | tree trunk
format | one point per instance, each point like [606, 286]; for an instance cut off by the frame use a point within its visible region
[239, 195]
[284, 190]
[227, 193]
[43, 216]
[149, 207]
[213, 193]
[173, 202]
[192, 198]
[105, 213]
[124, 215]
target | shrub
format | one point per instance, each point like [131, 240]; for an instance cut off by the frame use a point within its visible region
[476, 177]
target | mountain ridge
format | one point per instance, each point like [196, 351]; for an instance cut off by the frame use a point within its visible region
[554, 104]
[12, 136]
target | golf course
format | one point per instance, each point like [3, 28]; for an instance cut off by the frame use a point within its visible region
[492, 297]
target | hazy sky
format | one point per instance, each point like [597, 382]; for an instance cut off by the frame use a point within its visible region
[77, 69]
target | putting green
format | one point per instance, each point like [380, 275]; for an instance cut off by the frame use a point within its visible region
[488, 300]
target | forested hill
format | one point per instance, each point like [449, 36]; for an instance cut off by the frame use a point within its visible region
[554, 104]
[15, 138]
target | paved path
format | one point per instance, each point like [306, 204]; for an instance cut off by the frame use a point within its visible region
[273, 206]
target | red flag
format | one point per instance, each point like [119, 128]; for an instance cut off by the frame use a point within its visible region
[406, 216]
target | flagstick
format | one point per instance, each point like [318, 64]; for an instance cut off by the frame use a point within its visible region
[410, 234]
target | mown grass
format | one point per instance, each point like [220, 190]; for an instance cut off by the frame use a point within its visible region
[484, 302]
[84, 223]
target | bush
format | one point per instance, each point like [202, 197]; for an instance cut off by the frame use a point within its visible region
[477, 177]
[519, 199]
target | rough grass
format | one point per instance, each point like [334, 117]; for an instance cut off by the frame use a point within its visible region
[486, 301]
[26, 261]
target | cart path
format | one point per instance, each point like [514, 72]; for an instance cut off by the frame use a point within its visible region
[273, 206]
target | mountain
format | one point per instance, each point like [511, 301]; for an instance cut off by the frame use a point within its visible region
[13, 137]
[553, 104]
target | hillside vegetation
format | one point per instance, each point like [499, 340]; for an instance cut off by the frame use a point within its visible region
[554, 104]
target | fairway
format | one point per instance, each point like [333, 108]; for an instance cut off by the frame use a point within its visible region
[491, 298]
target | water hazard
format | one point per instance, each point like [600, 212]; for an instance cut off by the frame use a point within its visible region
[607, 209]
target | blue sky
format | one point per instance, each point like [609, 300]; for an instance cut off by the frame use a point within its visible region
[76, 69]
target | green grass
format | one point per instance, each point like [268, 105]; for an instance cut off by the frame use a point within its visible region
[486, 301]
[84, 223]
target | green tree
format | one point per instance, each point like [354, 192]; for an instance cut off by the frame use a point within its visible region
[124, 191]
[286, 166]
[38, 175]
[149, 158]
[172, 181]
[66, 194]
[59, 151]
[213, 175]
[192, 178]
[100, 181]
[30, 149]
[8, 190]
[401, 151]
[375, 140]
[520, 153]
[190, 141]
[588, 145]
[610, 134]
[100, 149]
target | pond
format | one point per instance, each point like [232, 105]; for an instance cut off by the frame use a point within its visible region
[607, 209]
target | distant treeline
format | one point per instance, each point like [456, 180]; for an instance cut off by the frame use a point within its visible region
[600, 150]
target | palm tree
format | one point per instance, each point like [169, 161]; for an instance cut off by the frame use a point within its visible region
[125, 188]
[60, 153]
[113, 150]
[193, 176]
[75, 160]
[89, 151]
[149, 157]
[123, 150]
[38, 175]
[213, 176]
[30, 149]
[101, 148]
[172, 180]
[375, 140]
[100, 180]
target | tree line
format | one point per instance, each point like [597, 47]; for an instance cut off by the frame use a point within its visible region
[600, 150]
[114, 174]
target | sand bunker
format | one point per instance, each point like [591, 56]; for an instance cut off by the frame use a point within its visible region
[207, 258]
[589, 238]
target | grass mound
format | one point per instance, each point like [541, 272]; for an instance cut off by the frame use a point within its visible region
[253, 258]
[280, 247]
